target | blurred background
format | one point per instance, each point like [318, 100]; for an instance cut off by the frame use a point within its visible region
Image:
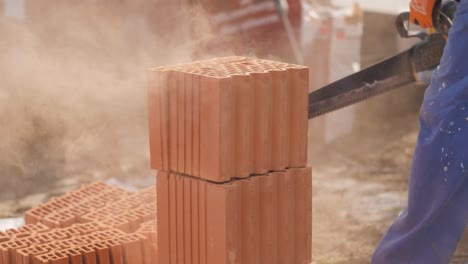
[73, 99]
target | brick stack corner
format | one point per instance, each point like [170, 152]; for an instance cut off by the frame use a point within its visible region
[228, 137]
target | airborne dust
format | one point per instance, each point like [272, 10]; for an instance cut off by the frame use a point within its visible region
[73, 89]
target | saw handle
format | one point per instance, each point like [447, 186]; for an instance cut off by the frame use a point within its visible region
[426, 55]
[402, 23]
[446, 17]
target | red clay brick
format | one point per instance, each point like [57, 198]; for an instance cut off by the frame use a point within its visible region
[94, 188]
[34, 215]
[195, 211]
[180, 218]
[261, 134]
[280, 117]
[70, 199]
[203, 222]
[22, 235]
[132, 248]
[30, 217]
[51, 258]
[59, 245]
[135, 219]
[148, 230]
[234, 224]
[146, 251]
[173, 124]
[12, 232]
[298, 87]
[78, 194]
[268, 121]
[148, 195]
[262, 219]
[216, 129]
[145, 213]
[154, 120]
[89, 254]
[173, 220]
[115, 251]
[163, 217]
[244, 96]
[196, 126]
[74, 256]
[110, 234]
[93, 204]
[164, 111]
[250, 220]
[4, 237]
[181, 104]
[88, 228]
[35, 228]
[118, 222]
[59, 219]
[303, 214]
[33, 240]
[8, 250]
[187, 218]
[25, 255]
[91, 217]
[188, 157]
[77, 212]
[102, 253]
[223, 221]
[70, 231]
[286, 217]
[58, 203]
[268, 219]
[111, 196]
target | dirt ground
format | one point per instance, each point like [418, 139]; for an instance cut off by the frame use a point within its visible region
[360, 187]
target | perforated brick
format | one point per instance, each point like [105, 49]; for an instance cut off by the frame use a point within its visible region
[261, 219]
[229, 118]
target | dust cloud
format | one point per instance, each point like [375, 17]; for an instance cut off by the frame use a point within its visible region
[73, 89]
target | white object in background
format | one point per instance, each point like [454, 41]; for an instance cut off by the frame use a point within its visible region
[14, 8]
[345, 57]
[8, 223]
[383, 6]
[310, 25]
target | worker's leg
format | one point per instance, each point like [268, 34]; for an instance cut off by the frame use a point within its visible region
[437, 214]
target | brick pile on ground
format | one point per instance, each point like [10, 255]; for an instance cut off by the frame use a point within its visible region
[229, 139]
[96, 224]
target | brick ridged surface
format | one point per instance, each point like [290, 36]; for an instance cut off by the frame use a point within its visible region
[110, 226]
[261, 219]
[228, 118]
[229, 139]
[65, 211]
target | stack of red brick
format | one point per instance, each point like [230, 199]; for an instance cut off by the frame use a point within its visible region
[228, 118]
[229, 138]
[68, 229]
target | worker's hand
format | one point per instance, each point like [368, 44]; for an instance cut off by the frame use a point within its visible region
[425, 13]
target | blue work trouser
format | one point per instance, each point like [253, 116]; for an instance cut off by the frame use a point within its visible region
[429, 230]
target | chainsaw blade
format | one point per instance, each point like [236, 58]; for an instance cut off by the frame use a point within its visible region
[356, 95]
[377, 79]
[395, 72]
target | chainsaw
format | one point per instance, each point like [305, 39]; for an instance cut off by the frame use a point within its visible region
[395, 72]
